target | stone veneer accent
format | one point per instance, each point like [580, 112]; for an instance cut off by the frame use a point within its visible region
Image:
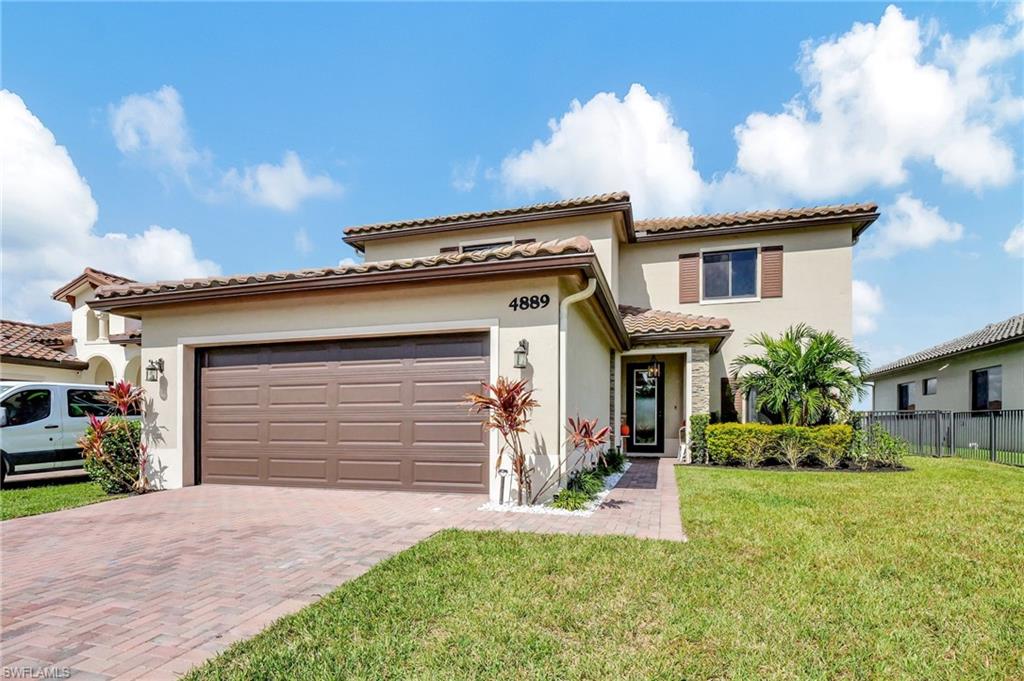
[700, 377]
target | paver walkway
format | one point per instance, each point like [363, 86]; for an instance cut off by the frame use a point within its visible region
[149, 586]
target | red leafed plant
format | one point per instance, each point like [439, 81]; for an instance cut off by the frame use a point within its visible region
[508, 406]
[115, 455]
[585, 437]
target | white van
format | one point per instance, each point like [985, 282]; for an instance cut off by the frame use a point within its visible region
[41, 423]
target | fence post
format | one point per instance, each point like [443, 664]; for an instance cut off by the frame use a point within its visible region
[992, 435]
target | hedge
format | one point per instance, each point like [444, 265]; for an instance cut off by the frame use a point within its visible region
[751, 444]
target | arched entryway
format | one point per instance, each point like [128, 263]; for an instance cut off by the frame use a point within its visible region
[133, 372]
[99, 371]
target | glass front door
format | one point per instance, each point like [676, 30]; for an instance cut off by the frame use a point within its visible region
[645, 408]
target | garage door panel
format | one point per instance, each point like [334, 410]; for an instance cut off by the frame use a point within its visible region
[370, 394]
[303, 395]
[364, 414]
[281, 469]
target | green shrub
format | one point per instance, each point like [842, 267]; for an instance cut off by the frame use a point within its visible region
[612, 461]
[792, 449]
[698, 436]
[589, 481]
[831, 444]
[571, 499]
[751, 444]
[117, 470]
[885, 450]
[860, 451]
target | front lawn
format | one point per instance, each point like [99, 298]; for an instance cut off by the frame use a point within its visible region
[787, 575]
[19, 499]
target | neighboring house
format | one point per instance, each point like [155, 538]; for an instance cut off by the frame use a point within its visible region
[355, 376]
[94, 347]
[980, 371]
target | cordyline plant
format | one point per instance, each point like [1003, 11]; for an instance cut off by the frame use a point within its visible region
[125, 398]
[508, 405]
[585, 437]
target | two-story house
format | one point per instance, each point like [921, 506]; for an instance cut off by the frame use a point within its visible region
[356, 376]
[92, 347]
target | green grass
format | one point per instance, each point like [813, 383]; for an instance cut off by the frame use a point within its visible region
[787, 576]
[17, 502]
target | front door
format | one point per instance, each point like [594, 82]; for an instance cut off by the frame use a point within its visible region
[646, 408]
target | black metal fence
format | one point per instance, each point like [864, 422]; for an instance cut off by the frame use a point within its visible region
[986, 435]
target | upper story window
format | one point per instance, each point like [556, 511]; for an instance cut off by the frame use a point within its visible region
[470, 248]
[929, 386]
[905, 396]
[730, 274]
[987, 388]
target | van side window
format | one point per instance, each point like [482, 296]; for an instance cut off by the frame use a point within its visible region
[27, 406]
[81, 403]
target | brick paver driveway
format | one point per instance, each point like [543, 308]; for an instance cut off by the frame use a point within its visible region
[149, 586]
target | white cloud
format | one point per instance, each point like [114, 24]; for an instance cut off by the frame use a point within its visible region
[867, 305]
[303, 244]
[609, 144]
[49, 216]
[282, 186]
[153, 126]
[909, 224]
[873, 102]
[349, 262]
[464, 174]
[1014, 245]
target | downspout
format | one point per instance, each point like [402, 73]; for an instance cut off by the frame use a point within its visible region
[563, 326]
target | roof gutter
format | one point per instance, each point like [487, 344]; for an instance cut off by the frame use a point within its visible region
[563, 370]
[72, 364]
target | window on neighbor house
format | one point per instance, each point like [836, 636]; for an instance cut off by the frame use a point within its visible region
[471, 248]
[905, 396]
[929, 386]
[730, 274]
[987, 388]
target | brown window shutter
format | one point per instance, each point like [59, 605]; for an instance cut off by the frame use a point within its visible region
[450, 249]
[771, 271]
[689, 278]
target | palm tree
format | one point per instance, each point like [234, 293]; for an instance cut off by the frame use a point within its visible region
[804, 376]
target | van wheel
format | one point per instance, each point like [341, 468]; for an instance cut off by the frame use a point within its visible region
[3, 471]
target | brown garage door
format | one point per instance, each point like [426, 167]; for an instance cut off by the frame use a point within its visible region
[375, 414]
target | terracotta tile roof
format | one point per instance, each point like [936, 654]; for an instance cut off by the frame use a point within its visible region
[92, 276]
[580, 202]
[718, 221]
[574, 245]
[992, 334]
[639, 320]
[36, 342]
[124, 338]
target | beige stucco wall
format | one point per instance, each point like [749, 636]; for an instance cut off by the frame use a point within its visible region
[24, 372]
[954, 384]
[600, 229]
[588, 375]
[172, 333]
[817, 286]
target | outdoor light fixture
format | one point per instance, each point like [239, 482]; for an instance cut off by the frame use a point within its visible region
[521, 352]
[154, 369]
[503, 472]
[654, 370]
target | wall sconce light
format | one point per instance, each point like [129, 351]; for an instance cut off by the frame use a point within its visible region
[154, 369]
[521, 353]
[654, 370]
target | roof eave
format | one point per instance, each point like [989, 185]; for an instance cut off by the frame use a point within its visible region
[72, 364]
[358, 241]
[885, 373]
[716, 336]
[861, 221]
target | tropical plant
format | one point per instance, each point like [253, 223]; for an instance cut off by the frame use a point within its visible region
[508, 405]
[115, 455]
[885, 449]
[585, 437]
[804, 376]
[571, 500]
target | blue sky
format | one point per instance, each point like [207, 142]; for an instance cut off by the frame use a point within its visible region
[242, 137]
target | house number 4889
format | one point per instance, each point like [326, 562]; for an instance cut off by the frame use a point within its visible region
[530, 302]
